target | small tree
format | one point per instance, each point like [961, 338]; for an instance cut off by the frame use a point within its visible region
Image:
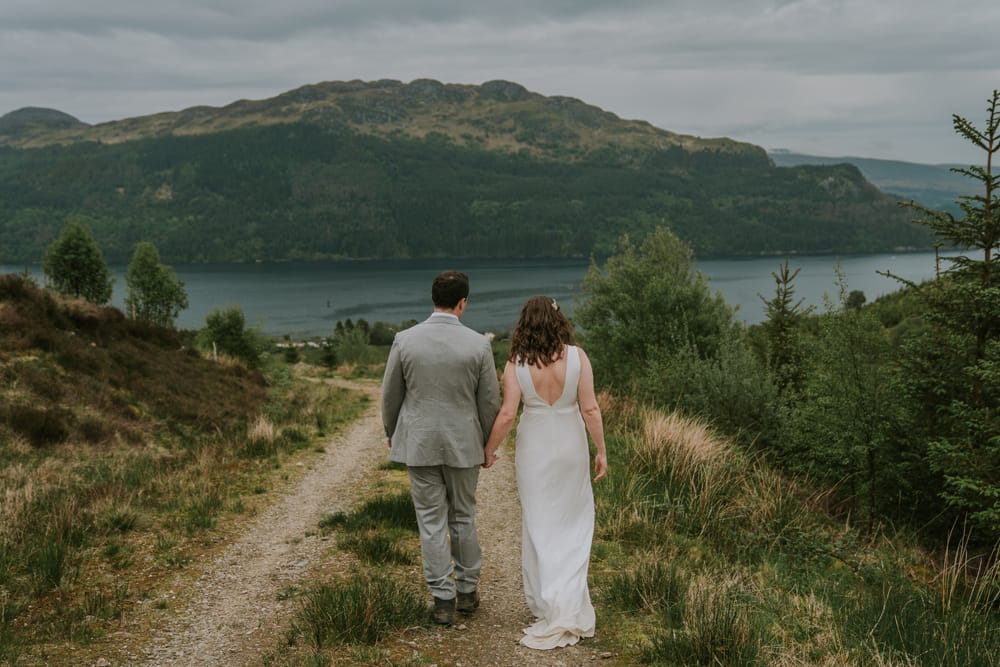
[154, 293]
[75, 266]
[653, 326]
[847, 413]
[365, 328]
[784, 319]
[329, 347]
[855, 300]
[225, 330]
[954, 371]
[647, 300]
[382, 333]
[349, 346]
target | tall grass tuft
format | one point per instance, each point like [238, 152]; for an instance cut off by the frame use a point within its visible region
[47, 564]
[652, 587]
[377, 547]
[692, 464]
[719, 628]
[952, 623]
[622, 414]
[627, 511]
[363, 610]
[261, 438]
[899, 623]
[200, 513]
[9, 645]
[973, 581]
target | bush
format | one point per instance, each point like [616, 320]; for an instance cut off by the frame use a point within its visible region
[41, 426]
[382, 333]
[350, 346]
[731, 389]
[225, 331]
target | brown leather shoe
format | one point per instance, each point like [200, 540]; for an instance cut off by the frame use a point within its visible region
[444, 611]
[468, 602]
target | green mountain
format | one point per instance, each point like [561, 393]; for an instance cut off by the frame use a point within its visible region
[391, 170]
[933, 185]
[20, 126]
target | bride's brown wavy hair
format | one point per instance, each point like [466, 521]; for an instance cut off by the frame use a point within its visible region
[541, 332]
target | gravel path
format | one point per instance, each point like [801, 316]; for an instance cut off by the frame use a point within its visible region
[236, 614]
[491, 636]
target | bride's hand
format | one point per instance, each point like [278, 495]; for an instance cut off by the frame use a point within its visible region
[491, 458]
[600, 466]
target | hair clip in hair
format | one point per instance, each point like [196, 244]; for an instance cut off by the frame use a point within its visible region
[555, 305]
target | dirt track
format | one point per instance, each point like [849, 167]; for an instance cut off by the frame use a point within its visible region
[237, 611]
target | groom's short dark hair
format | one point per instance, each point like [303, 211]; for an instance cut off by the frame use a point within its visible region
[449, 288]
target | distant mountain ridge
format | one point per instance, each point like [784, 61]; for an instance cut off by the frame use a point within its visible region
[497, 115]
[933, 185]
[386, 169]
[33, 121]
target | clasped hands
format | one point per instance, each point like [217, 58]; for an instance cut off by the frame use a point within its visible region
[490, 458]
[600, 462]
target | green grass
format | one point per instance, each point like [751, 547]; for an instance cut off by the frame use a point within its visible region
[123, 452]
[200, 514]
[377, 547]
[653, 587]
[718, 626]
[47, 565]
[364, 610]
[386, 511]
[373, 531]
[711, 558]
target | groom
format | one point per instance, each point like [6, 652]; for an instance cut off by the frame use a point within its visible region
[440, 396]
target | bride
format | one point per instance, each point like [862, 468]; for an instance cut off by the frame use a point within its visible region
[556, 381]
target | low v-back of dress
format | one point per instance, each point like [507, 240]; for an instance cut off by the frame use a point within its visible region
[557, 504]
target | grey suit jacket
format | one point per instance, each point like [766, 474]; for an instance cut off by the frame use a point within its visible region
[440, 394]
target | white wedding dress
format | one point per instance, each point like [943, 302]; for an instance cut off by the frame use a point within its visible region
[557, 506]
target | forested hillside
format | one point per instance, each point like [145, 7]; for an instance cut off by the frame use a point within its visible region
[417, 170]
[933, 185]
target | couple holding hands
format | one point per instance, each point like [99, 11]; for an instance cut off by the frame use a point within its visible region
[443, 415]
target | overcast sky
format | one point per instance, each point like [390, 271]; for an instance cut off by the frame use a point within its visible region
[870, 78]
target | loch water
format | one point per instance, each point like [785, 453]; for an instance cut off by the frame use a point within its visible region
[306, 299]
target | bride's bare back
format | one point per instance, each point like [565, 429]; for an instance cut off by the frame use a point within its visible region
[550, 380]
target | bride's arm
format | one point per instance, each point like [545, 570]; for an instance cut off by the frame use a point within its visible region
[591, 412]
[506, 416]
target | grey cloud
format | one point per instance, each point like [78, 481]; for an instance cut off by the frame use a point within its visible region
[770, 71]
[255, 19]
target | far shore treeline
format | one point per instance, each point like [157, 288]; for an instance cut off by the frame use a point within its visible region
[372, 171]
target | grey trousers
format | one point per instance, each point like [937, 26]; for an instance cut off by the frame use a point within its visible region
[445, 500]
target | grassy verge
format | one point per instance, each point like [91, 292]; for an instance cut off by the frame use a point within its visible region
[704, 555]
[90, 528]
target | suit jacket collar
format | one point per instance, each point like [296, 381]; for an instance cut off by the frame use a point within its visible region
[444, 318]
